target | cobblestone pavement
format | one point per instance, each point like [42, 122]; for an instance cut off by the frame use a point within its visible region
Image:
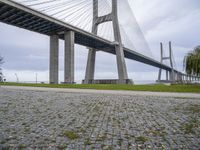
[58, 120]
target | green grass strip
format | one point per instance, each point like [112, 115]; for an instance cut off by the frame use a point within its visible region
[152, 88]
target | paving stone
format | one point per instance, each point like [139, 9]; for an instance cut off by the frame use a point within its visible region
[39, 120]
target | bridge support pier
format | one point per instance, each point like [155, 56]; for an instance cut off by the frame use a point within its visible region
[69, 57]
[54, 53]
[167, 75]
[90, 68]
[188, 78]
[183, 78]
[121, 65]
[170, 75]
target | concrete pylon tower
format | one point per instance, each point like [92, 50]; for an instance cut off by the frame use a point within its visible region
[113, 16]
[169, 74]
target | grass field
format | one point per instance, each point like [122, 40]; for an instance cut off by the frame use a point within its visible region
[153, 88]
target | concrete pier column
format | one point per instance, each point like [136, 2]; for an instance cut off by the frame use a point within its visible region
[54, 53]
[172, 78]
[121, 65]
[175, 76]
[90, 68]
[183, 78]
[69, 58]
[161, 60]
[178, 77]
[167, 75]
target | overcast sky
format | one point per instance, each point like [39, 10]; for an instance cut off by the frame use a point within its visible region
[27, 53]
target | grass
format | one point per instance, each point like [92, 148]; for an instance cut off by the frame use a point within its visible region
[193, 109]
[71, 135]
[189, 128]
[21, 146]
[152, 88]
[87, 142]
[61, 147]
[141, 139]
[161, 132]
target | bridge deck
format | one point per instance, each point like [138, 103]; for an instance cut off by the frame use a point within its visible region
[18, 15]
[21, 16]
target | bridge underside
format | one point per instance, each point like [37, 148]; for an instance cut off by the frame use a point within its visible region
[21, 18]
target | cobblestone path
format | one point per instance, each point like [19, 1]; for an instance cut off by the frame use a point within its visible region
[58, 120]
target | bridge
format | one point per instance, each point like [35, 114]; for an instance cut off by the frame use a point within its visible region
[19, 15]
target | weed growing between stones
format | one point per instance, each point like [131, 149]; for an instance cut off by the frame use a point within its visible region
[141, 139]
[71, 135]
[189, 128]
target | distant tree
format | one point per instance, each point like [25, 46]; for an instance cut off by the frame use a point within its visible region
[192, 62]
[1, 74]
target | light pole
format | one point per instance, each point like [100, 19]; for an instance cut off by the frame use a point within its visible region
[17, 78]
[36, 78]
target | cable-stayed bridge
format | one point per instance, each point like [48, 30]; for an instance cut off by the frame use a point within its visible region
[91, 23]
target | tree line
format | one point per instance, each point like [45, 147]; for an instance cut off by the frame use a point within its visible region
[192, 62]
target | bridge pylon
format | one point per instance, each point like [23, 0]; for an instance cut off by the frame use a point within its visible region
[171, 76]
[121, 65]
